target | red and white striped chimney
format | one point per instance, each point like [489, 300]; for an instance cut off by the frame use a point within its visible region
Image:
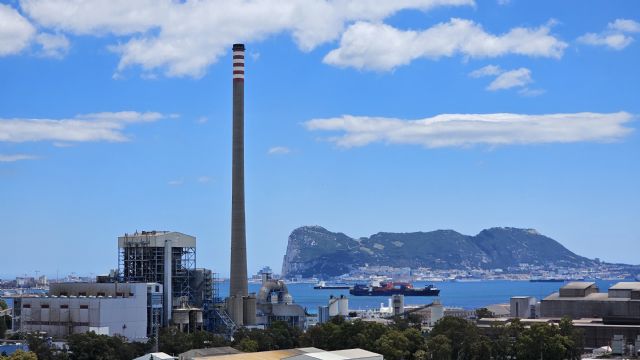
[238, 62]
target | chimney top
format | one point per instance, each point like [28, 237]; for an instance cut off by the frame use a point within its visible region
[238, 47]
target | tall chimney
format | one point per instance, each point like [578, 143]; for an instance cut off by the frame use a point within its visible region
[238, 284]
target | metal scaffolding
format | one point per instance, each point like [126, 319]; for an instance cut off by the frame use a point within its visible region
[141, 258]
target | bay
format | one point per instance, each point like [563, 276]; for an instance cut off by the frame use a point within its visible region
[466, 295]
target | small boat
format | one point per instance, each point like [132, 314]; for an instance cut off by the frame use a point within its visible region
[323, 286]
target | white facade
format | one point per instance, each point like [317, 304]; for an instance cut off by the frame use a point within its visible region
[522, 307]
[108, 309]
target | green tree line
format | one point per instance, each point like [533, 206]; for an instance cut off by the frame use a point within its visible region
[450, 338]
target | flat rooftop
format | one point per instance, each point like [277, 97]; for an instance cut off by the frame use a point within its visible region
[579, 285]
[591, 297]
[626, 285]
[156, 239]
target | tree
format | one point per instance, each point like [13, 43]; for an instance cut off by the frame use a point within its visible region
[279, 336]
[3, 305]
[40, 347]
[393, 345]
[482, 313]
[247, 345]
[421, 355]
[102, 347]
[462, 333]
[21, 355]
[440, 347]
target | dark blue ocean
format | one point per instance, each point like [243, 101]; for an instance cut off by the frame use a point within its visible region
[468, 295]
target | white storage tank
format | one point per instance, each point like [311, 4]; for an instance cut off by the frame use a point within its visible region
[334, 306]
[343, 306]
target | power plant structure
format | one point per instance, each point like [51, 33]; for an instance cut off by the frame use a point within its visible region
[169, 258]
[241, 305]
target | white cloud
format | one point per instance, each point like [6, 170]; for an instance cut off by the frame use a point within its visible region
[613, 41]
[279, 150]
[16, 157]
[175, 182]
[615, 36]
[104, 126]
[625, 25]
[489, 70]
[181, 38]
[53, 45]
[447, 130]
[510, 79]
[507, 79]
[15, 31]
[202, 120]
[378, 46]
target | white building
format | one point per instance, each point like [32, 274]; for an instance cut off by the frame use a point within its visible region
[132, 310]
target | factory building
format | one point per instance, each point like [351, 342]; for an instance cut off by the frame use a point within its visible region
[523, 307]
[169, 258]
[275, 303]
[337, 306]
[132, 310]
[620, 305]
[602, 316]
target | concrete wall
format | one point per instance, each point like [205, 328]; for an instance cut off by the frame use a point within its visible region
[61, 316]
[520, 306]
[576, 308]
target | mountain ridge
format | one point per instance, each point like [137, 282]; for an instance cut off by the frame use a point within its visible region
[316, 251]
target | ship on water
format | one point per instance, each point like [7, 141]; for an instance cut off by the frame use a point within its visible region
[393, 288]
[324, 286]
[547, 280]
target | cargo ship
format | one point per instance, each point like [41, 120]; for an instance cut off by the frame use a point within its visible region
[546, 280]
[393, 288]
[323, 286]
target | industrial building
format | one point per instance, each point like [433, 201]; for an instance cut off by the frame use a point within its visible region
[602, 316]
[620, 305]
[337, 306]
[275, 303]
[523, 307]
[132, 310]
[169, 258]
[165, 257]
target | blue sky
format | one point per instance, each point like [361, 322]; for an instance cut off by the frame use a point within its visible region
[361, 116]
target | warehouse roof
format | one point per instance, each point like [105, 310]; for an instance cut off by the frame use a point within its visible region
[626, 285]
[591, 297]
[579, 285]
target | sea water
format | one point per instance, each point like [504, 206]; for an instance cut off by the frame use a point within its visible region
[467, 295]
